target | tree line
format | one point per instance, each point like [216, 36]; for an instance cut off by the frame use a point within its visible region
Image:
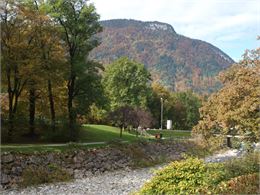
[44, 57]
[48, 78]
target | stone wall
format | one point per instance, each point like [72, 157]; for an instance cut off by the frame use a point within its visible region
[81, 163]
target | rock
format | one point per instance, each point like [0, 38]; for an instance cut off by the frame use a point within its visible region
[17, 170]
[78, 158]
[50, 158]
[83, 163]
[70, 171]
[107, 166]
[90, 165]
[79, 165]
[35, 160]
[88, 174]
[75, 159]
[78, 174]
[5, 179]
[7, 158]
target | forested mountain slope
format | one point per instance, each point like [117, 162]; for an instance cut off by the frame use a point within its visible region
[176, 61]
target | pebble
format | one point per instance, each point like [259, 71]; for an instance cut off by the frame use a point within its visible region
[111, 183]
[224, 156]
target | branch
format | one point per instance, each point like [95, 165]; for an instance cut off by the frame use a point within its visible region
[22, 86]
[66, 33]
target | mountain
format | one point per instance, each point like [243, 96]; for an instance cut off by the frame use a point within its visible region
[177, 62]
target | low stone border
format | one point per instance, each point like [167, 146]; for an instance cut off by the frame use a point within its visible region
[83, 163]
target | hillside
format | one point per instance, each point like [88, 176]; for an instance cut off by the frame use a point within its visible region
[176, 61]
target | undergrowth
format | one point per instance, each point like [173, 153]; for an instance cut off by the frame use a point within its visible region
[44, 174]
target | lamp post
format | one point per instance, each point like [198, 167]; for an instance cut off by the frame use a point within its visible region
[161, 113]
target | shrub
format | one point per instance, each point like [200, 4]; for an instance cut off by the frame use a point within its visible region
[193, 176]
[212, 144]
[39, 175]
[196, 150]
[138, 151]
[236, 143]
[190, 176]
[241, 166]
[138, 155]
[245, 184]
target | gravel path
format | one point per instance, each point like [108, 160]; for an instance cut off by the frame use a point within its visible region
[112, 183]
[220, 157]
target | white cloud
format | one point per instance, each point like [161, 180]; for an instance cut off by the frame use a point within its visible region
[215, 21]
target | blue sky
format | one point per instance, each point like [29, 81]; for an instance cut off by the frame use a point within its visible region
[231, 25]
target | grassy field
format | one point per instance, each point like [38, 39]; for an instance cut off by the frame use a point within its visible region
[100, 133]
[87, 134]
[170, 133]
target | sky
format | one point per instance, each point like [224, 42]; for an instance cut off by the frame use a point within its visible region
[231, 25]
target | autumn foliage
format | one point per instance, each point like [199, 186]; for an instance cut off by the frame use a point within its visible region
[234, 109]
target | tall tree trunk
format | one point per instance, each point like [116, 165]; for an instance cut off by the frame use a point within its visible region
[10, 98]
[10, 117]
[32, 99]
[13, 95]
[121, 131]
[13, 100]
[51, 102]
[71, 114]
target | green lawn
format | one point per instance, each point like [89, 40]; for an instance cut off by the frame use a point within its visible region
[99, 133]
[88, 134]
[170, 133]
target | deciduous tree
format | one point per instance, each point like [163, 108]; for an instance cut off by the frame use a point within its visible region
[235, 107]
[15, 50]
[79, 23]
[143, 118]
[126, 83]
[123, 117]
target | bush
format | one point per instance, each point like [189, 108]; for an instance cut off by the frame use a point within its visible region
[190, 176]
[140, 155]
[197, 150]
[236, 143]
[241, 166]
[193, 176]
[245, 184]
[40, 175]
[212, 144]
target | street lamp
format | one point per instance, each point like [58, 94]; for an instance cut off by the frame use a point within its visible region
[161, 113]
